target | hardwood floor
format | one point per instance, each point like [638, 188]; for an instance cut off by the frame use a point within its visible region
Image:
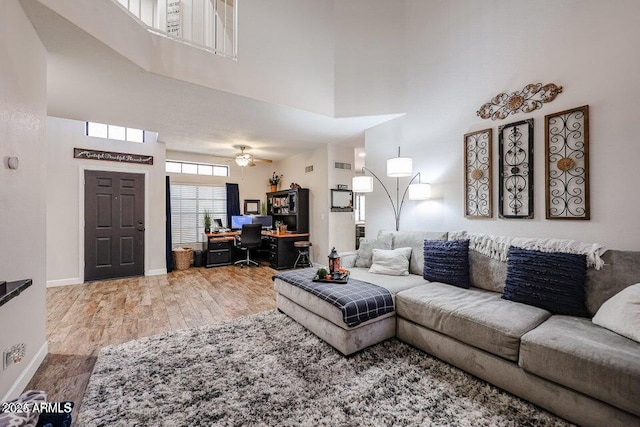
[81, 319]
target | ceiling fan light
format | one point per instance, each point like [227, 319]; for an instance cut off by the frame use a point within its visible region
[243, 160]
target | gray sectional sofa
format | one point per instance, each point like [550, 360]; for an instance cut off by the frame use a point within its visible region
[568, 365]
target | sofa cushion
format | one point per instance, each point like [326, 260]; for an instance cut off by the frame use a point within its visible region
[486, 272]
[365, 251]
[550, 280]
[474, 316]
[621, 313]
[447, 262]
[394, 262]
[415, 240]
[574, 352]
[621, 269]
[393, 284]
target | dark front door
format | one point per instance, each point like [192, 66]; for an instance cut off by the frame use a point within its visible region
[114, 225]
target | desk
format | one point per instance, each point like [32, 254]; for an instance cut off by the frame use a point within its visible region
[282, 253]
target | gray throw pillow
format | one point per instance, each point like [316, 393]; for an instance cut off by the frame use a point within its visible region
[415, 239]
[365, 251]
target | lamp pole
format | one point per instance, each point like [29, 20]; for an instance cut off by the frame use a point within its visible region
[397, 206]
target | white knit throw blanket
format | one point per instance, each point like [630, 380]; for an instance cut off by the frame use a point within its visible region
[497, 247]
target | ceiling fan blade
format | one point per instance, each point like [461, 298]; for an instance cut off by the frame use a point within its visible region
[262, 160]
[215, 156]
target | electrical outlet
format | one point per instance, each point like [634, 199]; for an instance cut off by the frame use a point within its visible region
[13, 355]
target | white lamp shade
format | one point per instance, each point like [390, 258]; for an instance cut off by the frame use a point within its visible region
[419, 191]
[399, 167]
[362, 184]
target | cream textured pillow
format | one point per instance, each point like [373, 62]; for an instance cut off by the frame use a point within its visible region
[621, 313]
[393, 262]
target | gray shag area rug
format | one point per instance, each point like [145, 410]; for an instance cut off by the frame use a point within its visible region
[266, 369]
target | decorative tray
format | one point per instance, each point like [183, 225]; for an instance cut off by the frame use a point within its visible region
[341, 278]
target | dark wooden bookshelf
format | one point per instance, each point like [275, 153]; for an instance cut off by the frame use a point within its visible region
[291, 207]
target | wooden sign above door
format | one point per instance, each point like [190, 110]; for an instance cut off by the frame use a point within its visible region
[85, 153]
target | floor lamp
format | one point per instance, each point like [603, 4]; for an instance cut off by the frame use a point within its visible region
[397, 167]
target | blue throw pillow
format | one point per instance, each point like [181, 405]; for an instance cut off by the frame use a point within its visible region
[447, 262]
[553, 281]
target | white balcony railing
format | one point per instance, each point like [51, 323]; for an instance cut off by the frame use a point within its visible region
[207, 24]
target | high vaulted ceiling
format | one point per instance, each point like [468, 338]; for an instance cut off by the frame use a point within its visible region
[89, 81]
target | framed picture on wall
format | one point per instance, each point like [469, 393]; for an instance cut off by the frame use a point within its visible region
[252, 207]
[516, 170]
[477, 174]
[567, 164]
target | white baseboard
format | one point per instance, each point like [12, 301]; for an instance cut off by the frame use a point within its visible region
[157, 272]
[78, 281]
[21, 382]
[64, 282]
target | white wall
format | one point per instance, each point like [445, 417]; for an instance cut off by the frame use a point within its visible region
[64, 246]
[460, 54]
[369, 57]
[327, 229]
[292, 170]
[342, 226]
[23, 109]
[283, 56]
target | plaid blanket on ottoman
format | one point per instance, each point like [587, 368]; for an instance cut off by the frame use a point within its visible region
[359, 301]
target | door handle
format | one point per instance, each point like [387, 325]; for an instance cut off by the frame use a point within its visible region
[140, 226]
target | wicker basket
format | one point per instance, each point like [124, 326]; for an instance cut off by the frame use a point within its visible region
[182, 258]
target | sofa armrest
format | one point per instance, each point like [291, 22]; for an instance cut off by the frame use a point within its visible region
[348, 259]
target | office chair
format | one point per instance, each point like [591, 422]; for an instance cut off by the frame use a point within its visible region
[250, 238]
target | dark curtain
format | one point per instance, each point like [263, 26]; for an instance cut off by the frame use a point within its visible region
[233, 202]
[169, 253]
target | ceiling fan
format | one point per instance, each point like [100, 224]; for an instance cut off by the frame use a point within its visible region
[243, 158]
[246, 159]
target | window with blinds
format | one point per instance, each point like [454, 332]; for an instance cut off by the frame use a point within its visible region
[188, 203]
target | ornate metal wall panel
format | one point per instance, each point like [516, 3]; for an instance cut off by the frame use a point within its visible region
[477, 174]
[530, 98]
[567, 164]
[516, 170]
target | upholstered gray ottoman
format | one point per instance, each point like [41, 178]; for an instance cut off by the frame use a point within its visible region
[327, 321]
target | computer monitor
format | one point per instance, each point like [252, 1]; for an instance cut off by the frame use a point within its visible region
[237, 221]
[265, 220]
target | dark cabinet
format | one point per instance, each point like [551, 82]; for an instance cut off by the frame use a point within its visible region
[282, 253]
[218, 251]
[290, 207]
